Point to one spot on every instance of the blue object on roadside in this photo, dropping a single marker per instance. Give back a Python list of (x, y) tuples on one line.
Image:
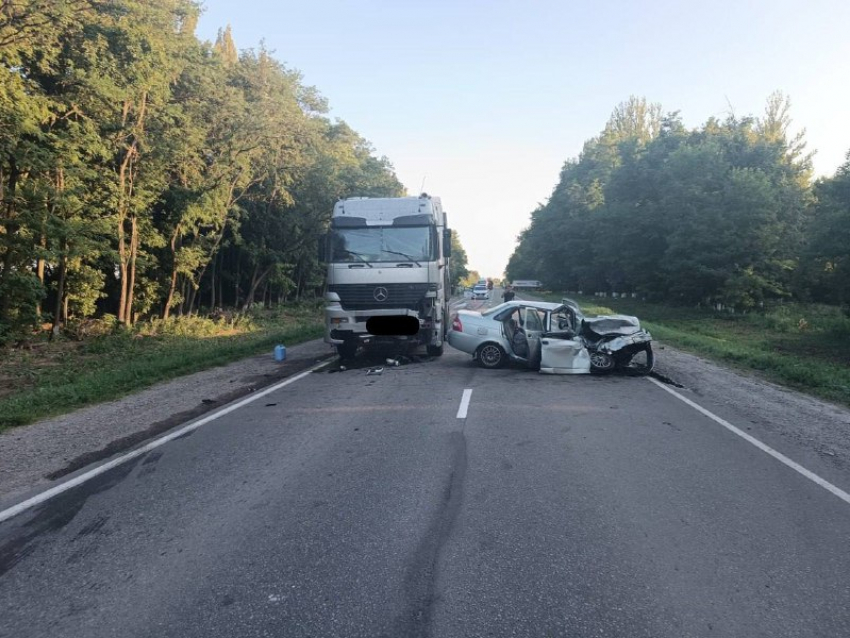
[(279, 353)]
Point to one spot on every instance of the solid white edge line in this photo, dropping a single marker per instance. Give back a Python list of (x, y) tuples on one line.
[(40, 498), (837, 491), (464, 403)]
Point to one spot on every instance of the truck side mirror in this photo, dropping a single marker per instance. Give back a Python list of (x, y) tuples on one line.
[(447, 242)]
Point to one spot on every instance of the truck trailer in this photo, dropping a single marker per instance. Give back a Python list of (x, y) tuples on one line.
[(387, 273)]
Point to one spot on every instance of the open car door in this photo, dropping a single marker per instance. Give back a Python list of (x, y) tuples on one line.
[(533, 326)]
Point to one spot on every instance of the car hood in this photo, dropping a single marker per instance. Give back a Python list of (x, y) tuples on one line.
[(613, 324)]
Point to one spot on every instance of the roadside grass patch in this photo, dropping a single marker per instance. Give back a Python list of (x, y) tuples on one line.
[(804, 346), (46, 379)]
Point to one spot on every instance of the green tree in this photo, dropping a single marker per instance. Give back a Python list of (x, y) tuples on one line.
[(827, 253), (703, 216), (141, 168), (458, 262)]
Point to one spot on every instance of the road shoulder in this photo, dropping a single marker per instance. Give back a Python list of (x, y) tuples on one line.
[(809, 429), (32, 456)]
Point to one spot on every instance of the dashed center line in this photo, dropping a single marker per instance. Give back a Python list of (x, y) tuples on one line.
[(464, 403)]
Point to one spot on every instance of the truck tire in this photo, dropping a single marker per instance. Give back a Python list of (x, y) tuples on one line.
[(348, 349), (434, 351)]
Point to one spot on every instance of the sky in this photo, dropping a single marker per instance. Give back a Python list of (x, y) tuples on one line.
[(481, 103)]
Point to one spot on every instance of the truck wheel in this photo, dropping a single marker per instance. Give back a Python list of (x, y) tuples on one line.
[(491, 355), (434, 351), (348, 349)]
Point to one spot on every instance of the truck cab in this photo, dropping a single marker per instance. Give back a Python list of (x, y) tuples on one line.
[(387, 261)]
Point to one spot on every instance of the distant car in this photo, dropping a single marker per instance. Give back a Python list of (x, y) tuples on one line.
[(480, 291)]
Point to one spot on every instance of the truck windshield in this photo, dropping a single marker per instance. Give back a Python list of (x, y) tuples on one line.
[(382, 243)]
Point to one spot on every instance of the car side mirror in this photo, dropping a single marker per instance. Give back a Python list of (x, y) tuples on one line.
[(447, 242), (322, 252)]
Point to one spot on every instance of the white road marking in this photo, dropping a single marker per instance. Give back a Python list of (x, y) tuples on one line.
[(844, 496), (38, 499), (464, 403)]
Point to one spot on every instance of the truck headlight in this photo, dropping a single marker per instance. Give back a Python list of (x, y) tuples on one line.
[(338, 320)]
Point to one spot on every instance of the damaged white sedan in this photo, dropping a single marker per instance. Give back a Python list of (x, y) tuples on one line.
[(554, 338)]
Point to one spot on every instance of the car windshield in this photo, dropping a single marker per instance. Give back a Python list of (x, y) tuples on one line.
[(381, 243)]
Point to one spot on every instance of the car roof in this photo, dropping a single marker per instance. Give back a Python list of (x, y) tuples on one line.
[(540, 305)]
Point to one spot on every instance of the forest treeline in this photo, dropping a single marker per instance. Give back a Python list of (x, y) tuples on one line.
[(144, 172), (726, 213)]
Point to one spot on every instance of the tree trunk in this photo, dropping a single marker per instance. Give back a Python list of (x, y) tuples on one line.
[(212, 283), (131, 281), (236, 281), (190, 307), (39, 271), (173, 285), (60, 294), (256, 279), (221, 284), (166, 311), (7, 201), (184, 292), (125, 195)]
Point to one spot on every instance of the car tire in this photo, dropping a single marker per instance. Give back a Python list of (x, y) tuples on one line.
[(601, 362), (434, 351), (491, 356)]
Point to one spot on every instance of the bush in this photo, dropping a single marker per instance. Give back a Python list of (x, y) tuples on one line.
[(86, 328), (194, 326), (21, 292)]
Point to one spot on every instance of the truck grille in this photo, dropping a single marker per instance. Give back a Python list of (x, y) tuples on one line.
[(366, 296)]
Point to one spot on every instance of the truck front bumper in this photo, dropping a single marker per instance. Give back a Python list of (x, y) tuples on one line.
[(351, 324)]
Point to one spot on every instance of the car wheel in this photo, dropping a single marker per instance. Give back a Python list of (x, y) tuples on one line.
[(491, 355), (601, 362)]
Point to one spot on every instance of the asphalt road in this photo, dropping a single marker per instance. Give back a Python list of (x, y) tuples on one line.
[(347, 504)]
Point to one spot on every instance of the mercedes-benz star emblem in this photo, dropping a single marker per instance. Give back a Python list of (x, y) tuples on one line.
[(381, 294)]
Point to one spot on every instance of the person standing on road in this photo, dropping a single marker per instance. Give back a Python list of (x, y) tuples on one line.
[(509, 293)]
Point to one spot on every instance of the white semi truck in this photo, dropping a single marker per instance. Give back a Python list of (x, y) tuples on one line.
[(388, 273)]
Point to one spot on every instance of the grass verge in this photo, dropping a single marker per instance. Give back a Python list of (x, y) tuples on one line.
[(46, 379), (804, 346)]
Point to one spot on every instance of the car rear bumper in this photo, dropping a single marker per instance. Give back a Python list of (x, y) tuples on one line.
[(463, 342)]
